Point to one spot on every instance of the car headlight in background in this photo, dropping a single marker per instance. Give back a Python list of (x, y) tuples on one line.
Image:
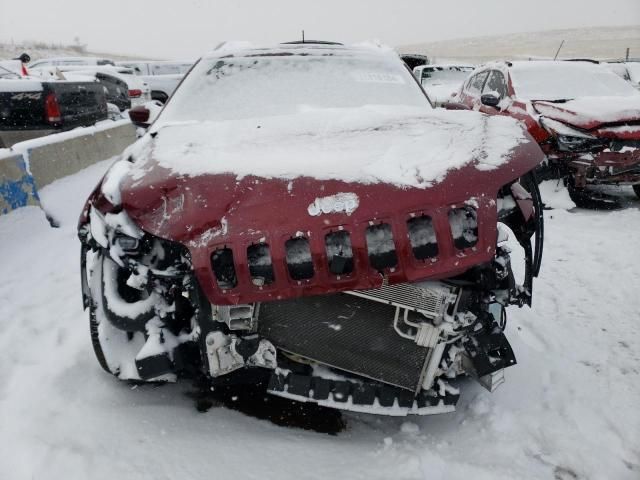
[(570, 139)]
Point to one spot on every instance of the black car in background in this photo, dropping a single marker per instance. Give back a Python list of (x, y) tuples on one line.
[(31, 108)]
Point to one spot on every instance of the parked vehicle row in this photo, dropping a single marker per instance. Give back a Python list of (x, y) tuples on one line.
[(31, 107), (126, 85), (162, 77), (122, 87)]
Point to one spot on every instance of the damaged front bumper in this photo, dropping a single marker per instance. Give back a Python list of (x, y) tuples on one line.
[(395, 349)]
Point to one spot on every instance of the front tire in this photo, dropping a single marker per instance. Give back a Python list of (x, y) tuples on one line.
[(636, 188), (114, 349)]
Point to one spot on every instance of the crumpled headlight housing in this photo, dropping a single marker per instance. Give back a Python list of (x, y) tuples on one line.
[(570, 139)]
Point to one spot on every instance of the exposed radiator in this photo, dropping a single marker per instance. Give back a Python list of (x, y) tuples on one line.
[(352, 332)]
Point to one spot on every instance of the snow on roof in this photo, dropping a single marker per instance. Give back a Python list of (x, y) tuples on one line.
[(71, 59), (247, 48), (20, 85), (403, 146)]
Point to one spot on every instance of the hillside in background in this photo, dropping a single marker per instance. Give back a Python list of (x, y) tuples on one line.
[(595, 42), (39, 50)]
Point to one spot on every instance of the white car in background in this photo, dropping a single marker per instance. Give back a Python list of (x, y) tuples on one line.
[(162, 76), (441, 81), (138, 91), (70, 61)]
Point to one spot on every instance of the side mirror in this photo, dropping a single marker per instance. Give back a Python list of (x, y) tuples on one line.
[(490, 100), (455, 106), (140, 116)]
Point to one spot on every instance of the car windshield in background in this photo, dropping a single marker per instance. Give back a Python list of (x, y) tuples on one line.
[(260, 86), (566, 81), (441, 75)]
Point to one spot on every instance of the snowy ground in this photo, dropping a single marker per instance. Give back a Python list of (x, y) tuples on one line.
[(569, 409)]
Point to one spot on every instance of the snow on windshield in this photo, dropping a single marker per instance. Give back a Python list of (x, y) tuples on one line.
[(566, 80), (286, 82)]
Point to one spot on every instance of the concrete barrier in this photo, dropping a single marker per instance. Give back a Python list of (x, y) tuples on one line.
[(30, 165), (17, 187), (58, 159)]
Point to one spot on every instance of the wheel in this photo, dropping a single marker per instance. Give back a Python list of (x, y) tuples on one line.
[(636, 188), (592, 200), (115, 349)]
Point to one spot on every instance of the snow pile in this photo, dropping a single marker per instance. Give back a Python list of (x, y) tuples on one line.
[(407, 147)]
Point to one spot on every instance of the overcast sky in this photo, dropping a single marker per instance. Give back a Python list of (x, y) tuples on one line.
[(187, 28)]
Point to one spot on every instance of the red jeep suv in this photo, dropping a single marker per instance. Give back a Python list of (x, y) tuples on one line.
[(300, 219), (585, 118)]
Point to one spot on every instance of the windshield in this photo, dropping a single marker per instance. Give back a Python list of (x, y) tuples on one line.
[(566, 81), (286, 83), (442, 75)]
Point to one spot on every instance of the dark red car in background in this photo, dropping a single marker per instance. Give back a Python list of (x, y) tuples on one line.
[(585, 118)]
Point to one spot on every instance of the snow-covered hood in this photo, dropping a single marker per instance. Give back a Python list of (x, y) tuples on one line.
[(407, 148), (189, 177), (592, 113), (235, 184)]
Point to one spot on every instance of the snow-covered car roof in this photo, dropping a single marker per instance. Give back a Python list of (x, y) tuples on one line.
[(20, 84), (71, 61), (241, 48), (88, 72)]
